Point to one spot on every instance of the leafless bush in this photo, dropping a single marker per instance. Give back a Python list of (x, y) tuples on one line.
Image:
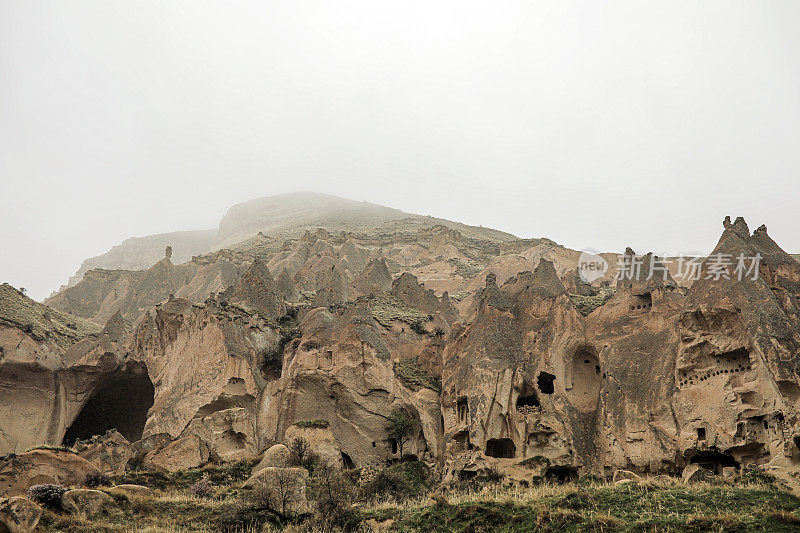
[(202, 487)]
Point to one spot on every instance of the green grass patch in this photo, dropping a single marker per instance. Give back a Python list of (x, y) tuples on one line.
[(386, 308), (316, 424), (587, 304), (628, 507), (466, 269), (226, 474), (414, 376)]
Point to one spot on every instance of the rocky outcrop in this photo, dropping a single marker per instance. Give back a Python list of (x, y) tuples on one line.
[(182, 454), (110, 452), (19, 515), (87, 502), (19, 472), (508, 374), (45, 387), (203, 359)]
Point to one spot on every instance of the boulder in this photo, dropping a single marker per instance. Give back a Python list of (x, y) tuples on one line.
[(20, 472), (625, 475), (110, 453), (694, 473), (146, 445), (285, 488), (276, 455), (130, 491), (88, 502), (187, 452), (19, 515)]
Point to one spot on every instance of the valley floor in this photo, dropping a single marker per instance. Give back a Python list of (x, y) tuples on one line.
[(658, 504)]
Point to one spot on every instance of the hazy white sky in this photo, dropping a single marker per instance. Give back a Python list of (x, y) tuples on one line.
[(597, 124)]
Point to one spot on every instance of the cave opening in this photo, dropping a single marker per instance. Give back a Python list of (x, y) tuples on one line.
[(462, 441), (561, 474), (347, 462), (714, 460), (501, 448), (527, 399), (642, 301), (545, 382), (121, 402), (462, 408)]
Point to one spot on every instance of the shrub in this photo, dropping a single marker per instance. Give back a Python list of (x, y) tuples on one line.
[(418, 328), (317, 424), (302, 455), (48, 495), (96, 479), (399, 428), (333, 493), (201, 488), (401, 481)]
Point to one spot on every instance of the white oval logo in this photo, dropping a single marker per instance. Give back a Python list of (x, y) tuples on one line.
[(591, 266)]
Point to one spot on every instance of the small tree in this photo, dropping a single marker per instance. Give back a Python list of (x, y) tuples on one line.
[(399, 428)]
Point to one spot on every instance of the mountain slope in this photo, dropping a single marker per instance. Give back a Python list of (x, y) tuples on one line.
[(280, 217)]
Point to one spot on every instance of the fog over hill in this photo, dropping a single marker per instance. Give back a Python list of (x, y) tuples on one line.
[(281, 217)]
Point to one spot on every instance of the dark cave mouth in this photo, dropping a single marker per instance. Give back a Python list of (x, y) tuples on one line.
[(121, 402)]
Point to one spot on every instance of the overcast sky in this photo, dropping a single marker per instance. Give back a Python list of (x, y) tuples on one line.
[(597, 124)]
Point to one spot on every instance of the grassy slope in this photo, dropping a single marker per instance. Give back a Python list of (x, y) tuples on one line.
[(665, 505), (42, 321), (650, 506)]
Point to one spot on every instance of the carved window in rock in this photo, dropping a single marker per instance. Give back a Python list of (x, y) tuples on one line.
[(347, 462), (527, 401), (545, 382), (501, 448), (585, 379), (642, 301), (326, 360), (462, 443), (462, 409)]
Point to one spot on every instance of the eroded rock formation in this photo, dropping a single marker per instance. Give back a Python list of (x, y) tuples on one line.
[(481, 345)]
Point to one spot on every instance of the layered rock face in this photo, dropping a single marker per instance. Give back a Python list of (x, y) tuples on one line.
[(324, 337)]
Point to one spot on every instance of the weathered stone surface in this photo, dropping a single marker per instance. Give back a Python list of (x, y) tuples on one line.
[(276, 455), (19, 515), (321, 441), (201, 359), (22, 471), (110, 453), (480, 342), (230, 433), (285, 488), (149, 444), (186, 452), (87, 501)]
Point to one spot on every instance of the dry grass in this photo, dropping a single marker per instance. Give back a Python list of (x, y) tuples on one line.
[(41, 321)]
